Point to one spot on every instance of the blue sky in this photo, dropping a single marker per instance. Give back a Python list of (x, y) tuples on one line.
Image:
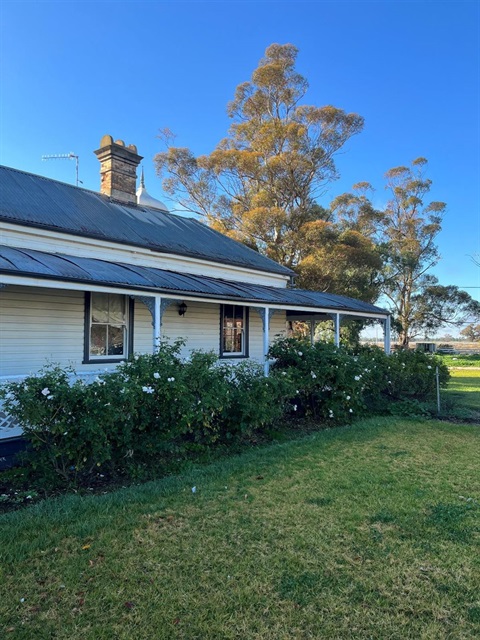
[(73, 71)]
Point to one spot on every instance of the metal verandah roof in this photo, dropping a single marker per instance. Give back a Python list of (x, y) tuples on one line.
[(37, 264)]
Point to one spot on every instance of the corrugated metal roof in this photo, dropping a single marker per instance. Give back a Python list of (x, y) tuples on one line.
[(27, 262), (36, 201)]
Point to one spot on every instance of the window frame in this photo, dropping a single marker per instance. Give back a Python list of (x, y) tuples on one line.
[(226, 355), (129, 311)]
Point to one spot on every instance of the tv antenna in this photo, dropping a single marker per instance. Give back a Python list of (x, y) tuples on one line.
[(66, 156)]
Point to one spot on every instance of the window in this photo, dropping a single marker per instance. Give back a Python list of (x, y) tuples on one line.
[(108, 327), (234, 331)]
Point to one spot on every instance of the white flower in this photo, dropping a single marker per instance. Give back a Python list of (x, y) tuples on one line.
[(429, 367), (294, 407), (122, 390), (147, 389), (46, 391), (300, 353), (284, 373), (156, 375), (357, 378), (350, 410), (50, 397), (314, 375), (194, 489), (170, 379), (348, 397)]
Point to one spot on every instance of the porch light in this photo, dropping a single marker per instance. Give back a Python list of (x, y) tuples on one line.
[(182, 309)]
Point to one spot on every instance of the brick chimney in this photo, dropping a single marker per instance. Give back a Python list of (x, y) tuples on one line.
[(118, 169)]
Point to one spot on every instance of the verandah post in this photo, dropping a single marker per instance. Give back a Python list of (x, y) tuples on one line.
[(266, 331), (386, 335), (336, 324), (157, 323)]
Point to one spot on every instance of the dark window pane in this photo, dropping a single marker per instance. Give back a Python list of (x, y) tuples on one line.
[(98, 340), (115, 341)]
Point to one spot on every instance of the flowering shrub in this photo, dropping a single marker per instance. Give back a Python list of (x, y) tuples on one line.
[(337, 384), (60, 420), (328, 382), (156, 405), (149, 407), (403, 376)]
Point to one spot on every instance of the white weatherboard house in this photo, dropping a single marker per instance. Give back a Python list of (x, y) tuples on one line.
[(87, 279)]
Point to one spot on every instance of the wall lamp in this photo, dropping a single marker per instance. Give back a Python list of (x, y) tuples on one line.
[(182, 309)]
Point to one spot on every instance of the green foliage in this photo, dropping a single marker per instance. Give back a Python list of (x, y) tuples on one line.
[(150, 408), (411, 374), (329, 382), (155, 407), (338, 384), (65, 423), (255, 401)]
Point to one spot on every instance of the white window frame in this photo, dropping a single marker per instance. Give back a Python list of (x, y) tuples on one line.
[(127, 329), (244, 333)]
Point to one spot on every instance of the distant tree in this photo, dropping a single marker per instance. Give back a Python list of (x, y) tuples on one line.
[(261, 182), (409, 230), (435, 305), (446, 337), (405, 232), (471, 332)]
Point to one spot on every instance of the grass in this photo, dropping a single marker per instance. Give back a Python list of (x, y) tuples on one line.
[(460, 360), (370, 531), (464, 388)]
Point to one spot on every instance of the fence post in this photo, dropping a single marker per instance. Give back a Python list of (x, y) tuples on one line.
[(437, 378)]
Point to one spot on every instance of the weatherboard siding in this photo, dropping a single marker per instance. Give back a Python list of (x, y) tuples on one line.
[(40, 325), (201, 328)]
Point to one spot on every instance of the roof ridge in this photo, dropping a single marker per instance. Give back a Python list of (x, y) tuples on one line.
[(37, 175)]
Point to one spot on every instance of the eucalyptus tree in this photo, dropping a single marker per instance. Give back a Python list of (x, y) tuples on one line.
[(261, 183)]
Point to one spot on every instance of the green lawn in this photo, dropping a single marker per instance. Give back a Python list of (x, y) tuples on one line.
[(472, 360), (369, 531), (464, 388)]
